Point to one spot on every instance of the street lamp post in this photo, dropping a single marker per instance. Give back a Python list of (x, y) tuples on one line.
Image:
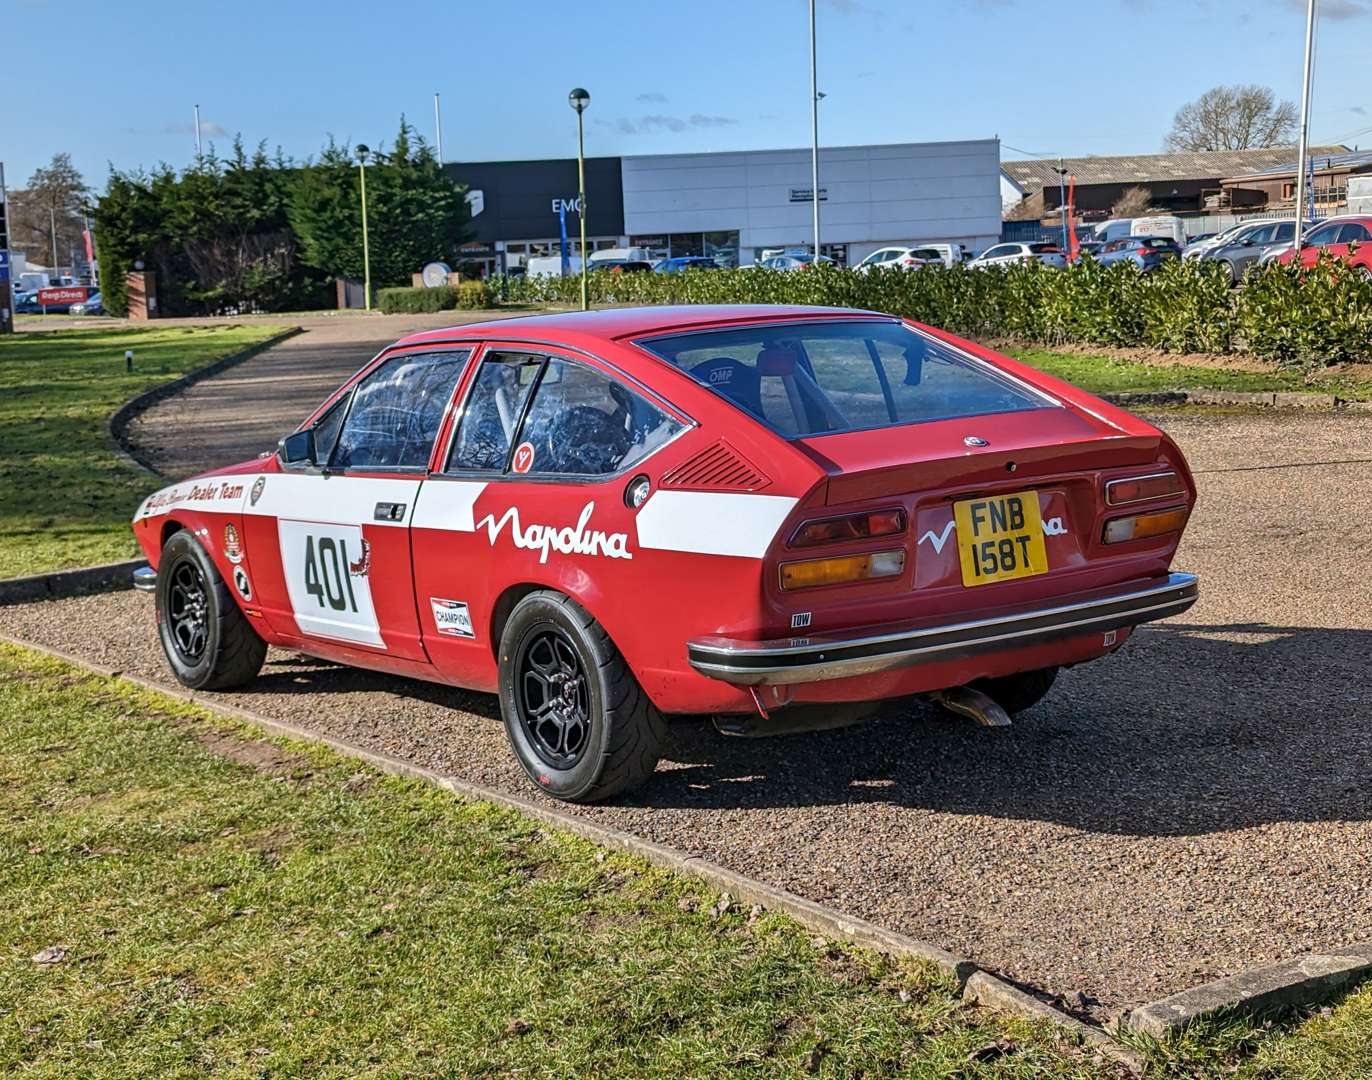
[(815, 95), (578, 99), (1301, 207), (363, 151)]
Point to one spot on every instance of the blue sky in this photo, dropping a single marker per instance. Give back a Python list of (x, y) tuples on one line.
[(664, 75)]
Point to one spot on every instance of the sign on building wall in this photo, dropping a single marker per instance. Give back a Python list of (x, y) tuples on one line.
[(802, 194)]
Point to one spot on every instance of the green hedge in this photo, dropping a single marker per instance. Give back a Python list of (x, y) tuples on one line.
[(466, 295), (1296, 317)]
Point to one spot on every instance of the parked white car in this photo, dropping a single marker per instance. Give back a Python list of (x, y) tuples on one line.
[(897, 258), (1009, 254)]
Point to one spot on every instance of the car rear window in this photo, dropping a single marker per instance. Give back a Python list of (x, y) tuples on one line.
[(1043, 249), (820, 378)]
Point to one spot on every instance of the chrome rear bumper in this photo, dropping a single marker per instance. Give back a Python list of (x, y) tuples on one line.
[(145, 579), (883, 648)]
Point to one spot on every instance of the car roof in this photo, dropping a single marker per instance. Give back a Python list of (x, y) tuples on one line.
[(609, 324)]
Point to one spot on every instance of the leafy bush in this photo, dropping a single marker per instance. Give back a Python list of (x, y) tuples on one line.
[(1306, 317), (477, 294), (1319, 316), (410, 301)]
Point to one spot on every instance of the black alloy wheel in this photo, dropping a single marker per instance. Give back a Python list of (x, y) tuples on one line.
[(188, 611), (554, 699)]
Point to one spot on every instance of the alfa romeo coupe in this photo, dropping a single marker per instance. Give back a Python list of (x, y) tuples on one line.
[(740, 512)]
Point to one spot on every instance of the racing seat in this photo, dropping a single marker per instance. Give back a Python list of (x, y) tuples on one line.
[(735, 380)]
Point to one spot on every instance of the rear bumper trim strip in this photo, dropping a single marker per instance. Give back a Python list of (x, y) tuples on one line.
[(872, 649)]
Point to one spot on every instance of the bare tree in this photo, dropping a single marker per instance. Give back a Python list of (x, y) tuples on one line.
[(55, 194), (1133, 202), (1240, 117)]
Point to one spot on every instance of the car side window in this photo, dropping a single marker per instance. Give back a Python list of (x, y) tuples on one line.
[(1353, 233), (584, 423), (1323, 236), (326, 429), (997, 251), (396, 412), (494, 405)]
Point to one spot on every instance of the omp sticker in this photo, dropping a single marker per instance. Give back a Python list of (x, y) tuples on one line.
[(570, 540), (451, 617), (326, 577)]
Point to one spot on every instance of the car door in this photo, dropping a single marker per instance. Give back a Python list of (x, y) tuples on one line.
[(531, 492), (1246, 252), (339, 524), (1353, 240)]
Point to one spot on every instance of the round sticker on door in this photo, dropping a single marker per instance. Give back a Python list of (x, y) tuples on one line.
[(523, 457)]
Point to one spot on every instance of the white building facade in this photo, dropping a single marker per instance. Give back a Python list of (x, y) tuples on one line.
[(745, 203)]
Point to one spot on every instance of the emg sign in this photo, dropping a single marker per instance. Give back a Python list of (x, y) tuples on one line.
[(571, 206)]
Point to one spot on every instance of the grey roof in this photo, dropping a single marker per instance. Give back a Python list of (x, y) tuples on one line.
[(1033, 175), (1321, 160)]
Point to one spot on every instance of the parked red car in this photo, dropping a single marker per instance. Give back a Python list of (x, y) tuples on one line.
[(729, 511), (1347, 238)]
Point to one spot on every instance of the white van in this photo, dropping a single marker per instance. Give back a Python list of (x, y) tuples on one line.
[(1162, 225), (551, 266)]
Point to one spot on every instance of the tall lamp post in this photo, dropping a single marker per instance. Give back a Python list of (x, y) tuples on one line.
[(578, 99), (363, 151), (815, 95), (1301, 208)]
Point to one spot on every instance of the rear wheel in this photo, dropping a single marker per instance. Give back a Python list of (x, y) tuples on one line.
[(1233, 272), (578, 722), (210, 644), (1023, 690)]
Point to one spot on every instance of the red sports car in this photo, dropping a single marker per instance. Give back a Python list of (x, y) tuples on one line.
[(726, 511), (1346, 238)]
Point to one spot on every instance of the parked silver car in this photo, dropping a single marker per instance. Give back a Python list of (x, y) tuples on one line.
[(1246, 246)]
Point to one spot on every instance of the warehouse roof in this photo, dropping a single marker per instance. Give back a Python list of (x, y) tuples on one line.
[(1035, 174)]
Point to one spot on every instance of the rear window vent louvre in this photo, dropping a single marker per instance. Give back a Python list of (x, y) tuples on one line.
[(718, 468)]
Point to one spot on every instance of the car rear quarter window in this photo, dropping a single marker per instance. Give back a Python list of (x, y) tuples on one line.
[(396, 411), (494, 406), (823, 378)]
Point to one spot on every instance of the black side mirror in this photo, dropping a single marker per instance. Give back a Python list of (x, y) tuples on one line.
[(298, 448)]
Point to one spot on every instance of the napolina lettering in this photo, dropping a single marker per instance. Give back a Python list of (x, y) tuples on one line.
[(572, 540)]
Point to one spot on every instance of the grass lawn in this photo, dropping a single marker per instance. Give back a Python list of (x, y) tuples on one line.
[(65, 498), (1107, 375), (237, 907)]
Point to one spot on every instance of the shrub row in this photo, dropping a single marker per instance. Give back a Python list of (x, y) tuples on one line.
[(1296, 317), (466, 295)]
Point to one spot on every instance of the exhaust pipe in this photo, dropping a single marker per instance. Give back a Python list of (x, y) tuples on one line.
[(965, 701)]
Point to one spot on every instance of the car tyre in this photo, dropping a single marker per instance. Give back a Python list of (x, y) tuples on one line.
[(1233, 272), (1018, 692), (580, 725), (208, 641)]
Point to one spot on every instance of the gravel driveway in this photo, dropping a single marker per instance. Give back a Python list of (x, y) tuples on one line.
[(1192, 806)]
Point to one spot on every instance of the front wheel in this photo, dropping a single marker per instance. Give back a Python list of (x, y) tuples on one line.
[(578, 722), (210, 644), (1023, 690)]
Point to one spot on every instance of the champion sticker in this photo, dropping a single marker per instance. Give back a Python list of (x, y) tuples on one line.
[(258, 485), (523, 457), (451, 617), (241, 583), (233, 546)]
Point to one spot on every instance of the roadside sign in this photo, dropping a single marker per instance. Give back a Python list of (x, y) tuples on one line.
[(67, 294), (4, 259)]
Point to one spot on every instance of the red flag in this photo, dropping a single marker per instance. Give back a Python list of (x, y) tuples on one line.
[(1073, 248), (90, 248)]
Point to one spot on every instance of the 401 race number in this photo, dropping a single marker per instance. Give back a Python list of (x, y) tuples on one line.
[(328, 579)]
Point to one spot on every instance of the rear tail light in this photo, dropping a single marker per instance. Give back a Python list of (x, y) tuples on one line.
[(845, 569), (865, 526), (1141, 488), (1142, 526)]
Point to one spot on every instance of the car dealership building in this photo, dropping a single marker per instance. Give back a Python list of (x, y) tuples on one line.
[(735, 205)]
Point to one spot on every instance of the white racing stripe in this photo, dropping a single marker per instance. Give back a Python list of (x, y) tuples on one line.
[(448, 505), (217, 494), (711, 523), (347, 500)]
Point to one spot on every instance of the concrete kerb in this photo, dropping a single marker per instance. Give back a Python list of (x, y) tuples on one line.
[(125, 415), (110, 577), (1264, 399), (976, 986), (1274, 988)]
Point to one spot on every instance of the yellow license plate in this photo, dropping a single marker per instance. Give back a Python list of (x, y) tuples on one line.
[(1000, 538)]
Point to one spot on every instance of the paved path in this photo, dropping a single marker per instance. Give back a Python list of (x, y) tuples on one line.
[(1197, 804), (245, 411)]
